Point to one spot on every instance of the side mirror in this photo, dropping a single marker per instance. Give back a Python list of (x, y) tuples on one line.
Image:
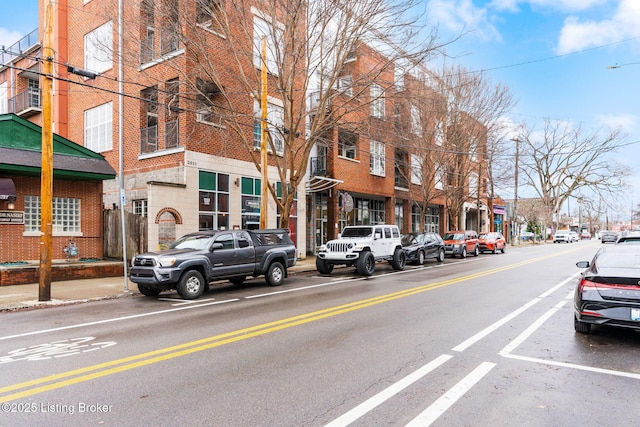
[(582, 264), (216, 246)]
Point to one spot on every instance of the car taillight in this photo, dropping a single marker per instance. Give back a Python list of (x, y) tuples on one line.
[(586, 285)]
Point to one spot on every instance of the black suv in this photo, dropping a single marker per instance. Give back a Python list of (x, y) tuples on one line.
[(421, 246)]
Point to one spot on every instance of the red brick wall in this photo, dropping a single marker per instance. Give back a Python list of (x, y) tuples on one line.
[(14, 246)]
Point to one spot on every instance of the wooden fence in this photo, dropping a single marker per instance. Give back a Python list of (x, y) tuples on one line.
[(136, 231)]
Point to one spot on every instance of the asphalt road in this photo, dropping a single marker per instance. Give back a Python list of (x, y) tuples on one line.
[(481, 341)]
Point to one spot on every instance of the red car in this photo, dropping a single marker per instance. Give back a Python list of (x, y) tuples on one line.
[(492, 242)]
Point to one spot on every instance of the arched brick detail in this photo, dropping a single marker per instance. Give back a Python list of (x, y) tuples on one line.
[(172, 211)]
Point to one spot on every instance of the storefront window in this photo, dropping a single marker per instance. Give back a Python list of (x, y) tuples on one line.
[(251, 190), (213, 203)]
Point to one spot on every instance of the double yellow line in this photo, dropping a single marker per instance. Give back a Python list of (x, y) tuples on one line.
[(76, 376)]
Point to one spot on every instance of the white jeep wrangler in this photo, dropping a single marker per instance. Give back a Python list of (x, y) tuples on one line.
[(363, 246)]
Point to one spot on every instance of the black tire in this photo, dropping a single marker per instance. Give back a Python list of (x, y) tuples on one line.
[(399, 260), (275, 274), (476, 251), (191, 285), (504, 248), (366, 264), (239, 280), (323, 266), (440, 257), (495, 249), (420, 259), (463, 254), (148, 290), (581, 327)]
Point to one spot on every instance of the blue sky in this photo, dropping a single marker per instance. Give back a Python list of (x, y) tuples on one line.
[(552, 54)]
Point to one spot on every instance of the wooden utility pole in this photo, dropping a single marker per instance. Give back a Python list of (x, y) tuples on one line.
[(46, 171), (264, 193)]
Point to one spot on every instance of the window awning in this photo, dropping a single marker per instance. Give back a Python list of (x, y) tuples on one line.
[(7, 189), (321, 183)]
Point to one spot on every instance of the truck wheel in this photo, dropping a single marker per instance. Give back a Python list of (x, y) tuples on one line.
[(191, 285), (148, 290), (366, 264), (239, 280), (275, 274), (323, 266), (399, 259)]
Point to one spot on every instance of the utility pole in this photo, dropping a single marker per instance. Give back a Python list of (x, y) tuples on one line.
[(516, 236), (264, 199), (46, 171)]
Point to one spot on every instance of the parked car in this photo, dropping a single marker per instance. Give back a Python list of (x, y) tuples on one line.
[(461, 243), (608, 236), (631, 237), (608, 292), (362, 246), (527, 236), (562, 236), (422, 246), (585, 234), (492, 242), (573, 235)]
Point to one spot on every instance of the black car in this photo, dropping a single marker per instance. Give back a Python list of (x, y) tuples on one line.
[(421, 246), (608, 292)]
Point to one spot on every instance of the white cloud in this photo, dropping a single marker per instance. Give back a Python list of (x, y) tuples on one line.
[(577, 35), (8, 37), (461, 16), (625, 122)]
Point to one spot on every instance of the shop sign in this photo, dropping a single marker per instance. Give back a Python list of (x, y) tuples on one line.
[(11, 217)]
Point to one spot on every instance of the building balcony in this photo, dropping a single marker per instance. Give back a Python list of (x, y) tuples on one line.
[(27, 103)]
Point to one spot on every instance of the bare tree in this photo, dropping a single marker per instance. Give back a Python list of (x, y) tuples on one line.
[(564, 160), (308, 45)]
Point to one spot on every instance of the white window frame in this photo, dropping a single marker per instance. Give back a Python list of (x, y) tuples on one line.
[(416, 169), (264, 27), (4, 97), (345, 85), (438, 136), (473, 184), (377, 158), (416, 123), (98, 128), (377, 101), (473, 149), (98, 48), (275, 124)]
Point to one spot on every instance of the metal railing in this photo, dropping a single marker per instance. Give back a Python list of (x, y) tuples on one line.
[(171, 139), (28, 99), (149, 140), (18, 48)]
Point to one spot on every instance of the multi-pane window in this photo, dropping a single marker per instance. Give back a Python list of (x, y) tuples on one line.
[(98, 128), (416, 218), (473, 148), (347, 144), (98, 49), (208, 13), (345, 85), (149, 130), (148, 31), (377, 158), (473, 184), (399, 215), (140, 207), (206, 97), (377, 101), (66, 214), (432, 220), (416, 124), (416, 169), (438, 136), (213, 203), (273, 35), (439, 177), (251, 191), (172, 101), (275, 125)]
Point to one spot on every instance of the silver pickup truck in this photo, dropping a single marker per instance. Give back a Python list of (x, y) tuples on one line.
[(196, 259)]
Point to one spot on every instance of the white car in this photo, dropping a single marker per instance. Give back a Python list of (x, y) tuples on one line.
[(574, 236), (562, 236)]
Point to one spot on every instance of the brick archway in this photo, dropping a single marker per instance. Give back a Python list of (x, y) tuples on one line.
[(172, 211)]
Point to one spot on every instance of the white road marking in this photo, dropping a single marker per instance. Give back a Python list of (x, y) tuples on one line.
[(387, 393), (573, 366), (491, 328), (445, 401), (531, 329), (115, 319)]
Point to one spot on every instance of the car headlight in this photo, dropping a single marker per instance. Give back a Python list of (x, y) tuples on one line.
[(166, 261)]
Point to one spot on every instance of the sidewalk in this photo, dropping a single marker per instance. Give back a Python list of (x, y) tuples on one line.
[(25, 297)]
